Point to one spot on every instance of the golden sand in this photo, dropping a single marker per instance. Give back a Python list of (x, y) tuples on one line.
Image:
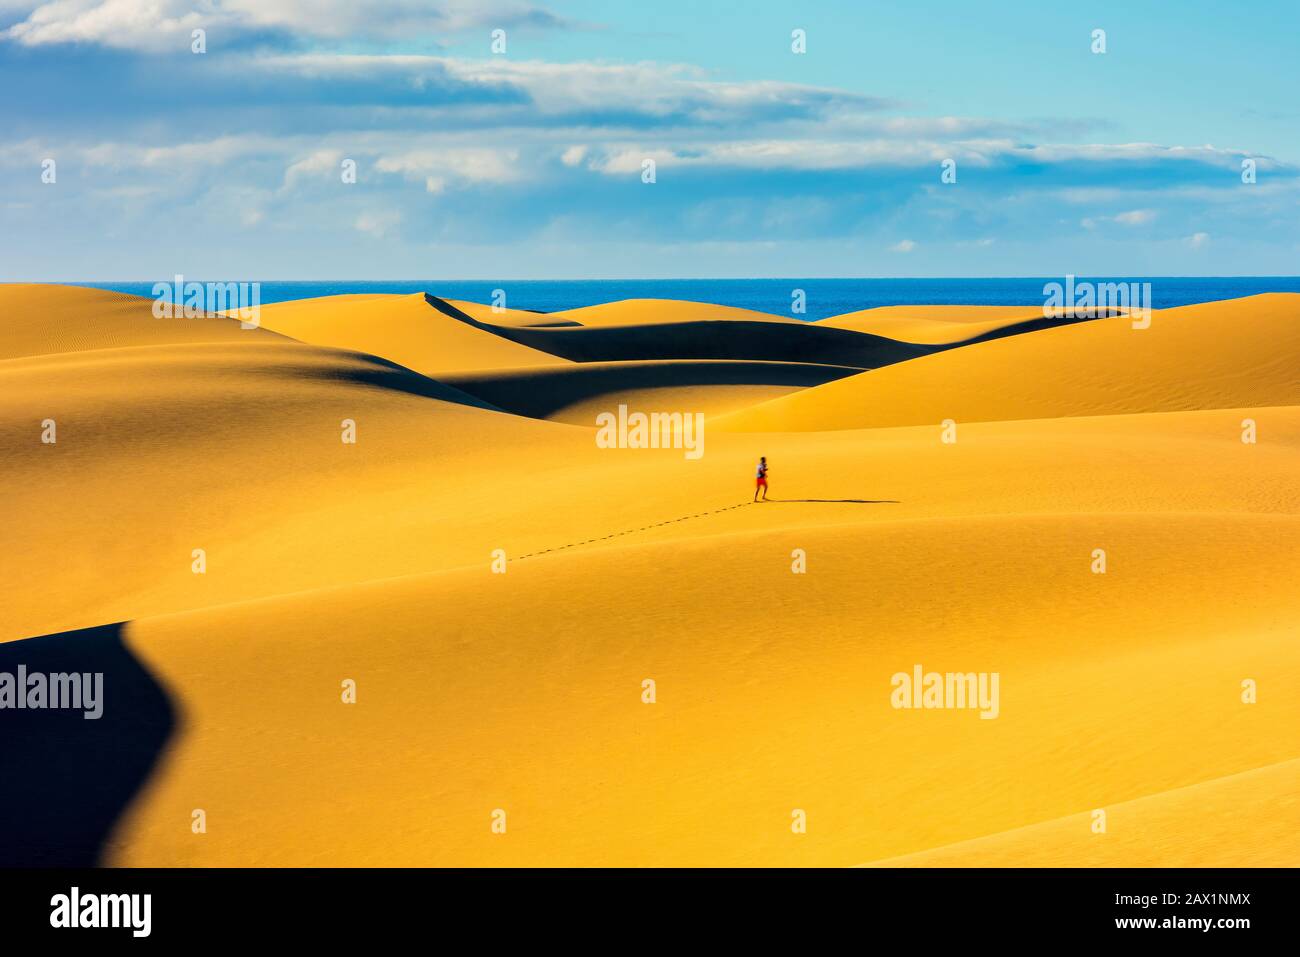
[(523, 691), (933, 324)]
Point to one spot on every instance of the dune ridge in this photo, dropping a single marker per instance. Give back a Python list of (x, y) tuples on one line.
[(710, 338), (1232, 354), (42, 320)]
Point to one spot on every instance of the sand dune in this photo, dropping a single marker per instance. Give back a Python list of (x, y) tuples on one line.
[(682, 338), (234, 449), (946, 325), (401, 328), (642, 312), (37, 320), (1215, 355), (625, 312), (503, 316), (522, 691), (936, 324)]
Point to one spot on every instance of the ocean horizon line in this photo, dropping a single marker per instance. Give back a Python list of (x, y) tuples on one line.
[(808, 299), (407, 279)]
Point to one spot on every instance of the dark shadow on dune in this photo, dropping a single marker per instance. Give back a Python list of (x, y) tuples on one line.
[(541, 392), (1028, 325), (65, 780), (704, 339), (380, 373), (834, 501), (737, 339)]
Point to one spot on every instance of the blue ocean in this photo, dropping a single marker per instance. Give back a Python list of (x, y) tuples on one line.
[(824, 297)]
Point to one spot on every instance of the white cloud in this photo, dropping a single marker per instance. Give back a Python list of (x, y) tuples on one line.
[(1198, 240), (800, 153), (793, 154), (165, 25), (160, 24), (377, 224), (1136, 217), (435, 167), (314, 167), (1125, 152), (534, 90), (903, 246)]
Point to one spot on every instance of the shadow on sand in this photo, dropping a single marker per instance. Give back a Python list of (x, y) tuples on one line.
[(833, 501), (65, 780)]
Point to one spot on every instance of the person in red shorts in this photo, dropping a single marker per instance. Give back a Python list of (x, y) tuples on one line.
[(761, 481)]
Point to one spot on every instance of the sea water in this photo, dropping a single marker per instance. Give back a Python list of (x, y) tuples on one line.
[(822, 297)]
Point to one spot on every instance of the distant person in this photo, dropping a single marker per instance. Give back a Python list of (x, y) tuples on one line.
[(760, 483)]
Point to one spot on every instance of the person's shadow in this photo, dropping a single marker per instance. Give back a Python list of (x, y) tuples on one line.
[(65, 780), (835, 501)]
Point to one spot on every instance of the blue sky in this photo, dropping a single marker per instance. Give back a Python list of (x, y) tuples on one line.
[(528, 164)]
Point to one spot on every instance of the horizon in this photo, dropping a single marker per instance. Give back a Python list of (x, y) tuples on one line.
[(810, 299), (615, 279)]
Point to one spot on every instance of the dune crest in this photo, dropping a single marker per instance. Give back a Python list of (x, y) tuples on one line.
[(1210, 356), (42, 320)]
